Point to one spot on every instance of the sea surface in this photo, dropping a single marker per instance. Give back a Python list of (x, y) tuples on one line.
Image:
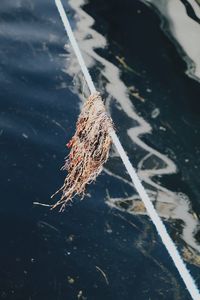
[(144, 58)]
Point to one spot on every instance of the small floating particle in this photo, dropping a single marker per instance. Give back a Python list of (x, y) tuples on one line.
[(155, 113), (162, 128), (80, 296), (103, 274), (134, 92), (25, 135), (70, 280), (70, 238)]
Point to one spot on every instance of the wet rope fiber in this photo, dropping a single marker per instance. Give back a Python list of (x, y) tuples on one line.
[(89, 146), (99, 112)]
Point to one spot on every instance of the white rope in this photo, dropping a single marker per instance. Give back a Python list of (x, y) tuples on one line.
[(160, 227), (75, 47)]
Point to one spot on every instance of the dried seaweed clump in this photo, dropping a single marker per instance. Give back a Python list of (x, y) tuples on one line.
[(89, 149)]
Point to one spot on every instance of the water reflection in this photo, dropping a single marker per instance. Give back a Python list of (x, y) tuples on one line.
[(169, 204), (184, 29)]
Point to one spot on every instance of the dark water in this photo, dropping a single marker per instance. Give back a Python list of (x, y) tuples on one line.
[(96, 249)]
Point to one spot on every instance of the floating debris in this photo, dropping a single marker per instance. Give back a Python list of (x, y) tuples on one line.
[(104, 274), (191, 256), (135, 93), (155, 113), (80, 296), (121, 60), (70, 280)]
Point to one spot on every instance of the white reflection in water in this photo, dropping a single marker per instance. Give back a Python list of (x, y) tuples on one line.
[(184, 30), (170, 205)]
